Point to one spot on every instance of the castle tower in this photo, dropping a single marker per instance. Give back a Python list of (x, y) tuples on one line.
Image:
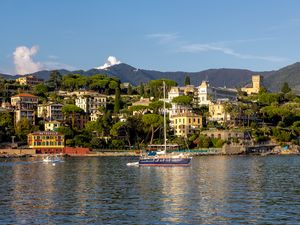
[(257, 82)]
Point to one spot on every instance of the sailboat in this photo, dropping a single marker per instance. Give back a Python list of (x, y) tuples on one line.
[(162, 158)]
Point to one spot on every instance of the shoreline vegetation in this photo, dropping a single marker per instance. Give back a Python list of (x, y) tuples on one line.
[(125, 116), (277, 150)]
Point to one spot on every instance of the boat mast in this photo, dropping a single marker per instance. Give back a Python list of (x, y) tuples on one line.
[(165, 123)]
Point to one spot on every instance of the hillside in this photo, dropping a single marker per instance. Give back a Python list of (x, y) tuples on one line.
[(290, 74), (273, 80)]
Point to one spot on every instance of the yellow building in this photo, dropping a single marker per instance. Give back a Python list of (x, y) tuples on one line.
[(46, 142), (187, 123), (29, 80), (217, 112), (256, 85)]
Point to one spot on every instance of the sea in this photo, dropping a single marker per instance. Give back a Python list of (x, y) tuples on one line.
[(103, 190)]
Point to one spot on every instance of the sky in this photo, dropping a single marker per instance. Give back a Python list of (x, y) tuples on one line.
[(164, 35)]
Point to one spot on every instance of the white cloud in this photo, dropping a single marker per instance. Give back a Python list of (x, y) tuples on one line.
[(164, 37), (227, 51), (23, 60), (183, 46), (24, 63), (111, 60)]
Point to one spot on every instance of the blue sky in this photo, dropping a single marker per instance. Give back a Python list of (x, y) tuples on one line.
[(166, 35)]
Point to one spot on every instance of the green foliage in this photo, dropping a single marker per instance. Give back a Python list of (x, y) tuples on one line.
[(204, 142), (117, 144), (115, 130), (82, 140), (138, 108), (23, 128), (269, 98), (281, 135), (183, 100), (40, 90), (142, 90), (68, 109), (117, 104), (6, 126), (55, 80), (187, 80), (208, 142), (285, 88), (74, 81), (153, 122), (157, 106), (67, 131), (129, 90)]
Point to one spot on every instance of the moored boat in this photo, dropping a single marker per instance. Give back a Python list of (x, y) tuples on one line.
[(162, 158), (165, 161)]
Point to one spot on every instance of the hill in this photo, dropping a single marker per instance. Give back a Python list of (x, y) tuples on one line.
[(273, 80)]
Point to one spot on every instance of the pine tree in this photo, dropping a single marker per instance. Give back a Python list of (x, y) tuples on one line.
[(129, 90), (187, 80), (285, 88), (142, 89), (117, 100)]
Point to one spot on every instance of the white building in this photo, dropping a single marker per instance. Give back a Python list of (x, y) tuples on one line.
[(51, 111), (180, 91), (25, 106), (52, 125), (91, 104), (207, 94), (217, 112)]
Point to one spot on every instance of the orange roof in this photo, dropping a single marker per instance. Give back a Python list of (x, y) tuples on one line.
[(25, 95)]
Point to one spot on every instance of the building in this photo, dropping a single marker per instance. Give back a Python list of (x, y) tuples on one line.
[(51, 111), (178, 109), (25, 106), (181, 91), (91, 104), (29, 80), (226, 134), (76, 120), (257, 83), (186, 124), (46, 142), (52, 125), (207, 94), (217, 112)]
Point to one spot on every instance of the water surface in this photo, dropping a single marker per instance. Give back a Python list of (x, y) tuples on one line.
[(103, 190)]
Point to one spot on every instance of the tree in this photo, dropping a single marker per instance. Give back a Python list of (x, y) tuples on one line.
[(154, 122), (55, 80), (285, 88), (23, 128), (6, 125), (158, 106), (187, 80), (40, 90), (129, 90), (183, 100), (140, 109), (117, 100), (142, 89), (72, 110)]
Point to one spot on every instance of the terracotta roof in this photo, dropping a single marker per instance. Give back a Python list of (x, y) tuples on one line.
[(24, 95)]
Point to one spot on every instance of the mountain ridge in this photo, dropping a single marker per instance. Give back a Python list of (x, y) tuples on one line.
[(229, 77)]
